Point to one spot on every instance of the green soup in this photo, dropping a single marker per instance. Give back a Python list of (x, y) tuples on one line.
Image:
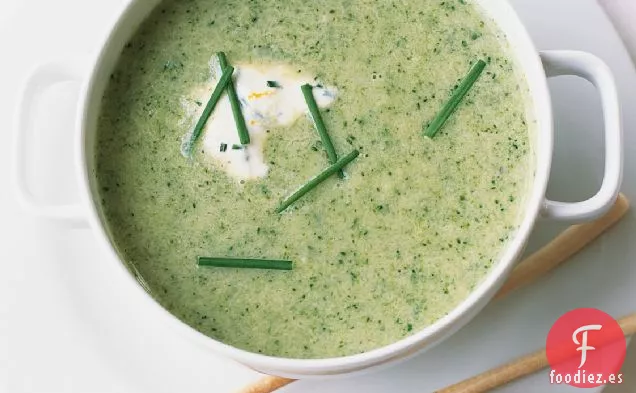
[(413, 227)]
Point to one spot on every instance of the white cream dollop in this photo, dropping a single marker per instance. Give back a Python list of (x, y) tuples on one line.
[(264, 108)]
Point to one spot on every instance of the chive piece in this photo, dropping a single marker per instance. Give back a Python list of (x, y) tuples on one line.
[(243, 263), (320, 125), (273, 84), (223, 147), (209, 108), (244, 135), (237, 147), (455, 99), (311, 184)]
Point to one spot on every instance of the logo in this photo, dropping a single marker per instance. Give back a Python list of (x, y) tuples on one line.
[(586, 348)]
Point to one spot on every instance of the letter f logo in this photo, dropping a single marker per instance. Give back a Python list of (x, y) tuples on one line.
[(583, 344)]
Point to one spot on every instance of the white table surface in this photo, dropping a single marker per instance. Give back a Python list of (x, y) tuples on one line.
[(64, 328)]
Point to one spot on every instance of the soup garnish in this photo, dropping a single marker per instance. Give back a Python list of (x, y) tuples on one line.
[(458, 95), (313, 183), (245, 263), (244, 135), (314, 112), (209, 108)]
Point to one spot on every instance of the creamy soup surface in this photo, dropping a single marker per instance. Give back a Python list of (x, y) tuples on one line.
[(412, 229)]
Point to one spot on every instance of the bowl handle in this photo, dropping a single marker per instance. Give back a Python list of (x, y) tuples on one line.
[(590, 67), (42, 77)]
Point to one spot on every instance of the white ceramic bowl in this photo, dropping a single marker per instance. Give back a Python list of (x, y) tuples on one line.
[(537, 68)]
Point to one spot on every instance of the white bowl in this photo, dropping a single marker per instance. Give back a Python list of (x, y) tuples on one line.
[(536, 69)]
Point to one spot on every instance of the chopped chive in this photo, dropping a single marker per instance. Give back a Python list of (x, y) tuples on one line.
[(209, 108), (320, 125), (311, 184), (244, 135), (223, 147), (237, 147), (455, 99), (273, 84), (243, 263)]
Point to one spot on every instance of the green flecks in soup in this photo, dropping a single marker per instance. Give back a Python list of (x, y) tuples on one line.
[(414, 226)]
